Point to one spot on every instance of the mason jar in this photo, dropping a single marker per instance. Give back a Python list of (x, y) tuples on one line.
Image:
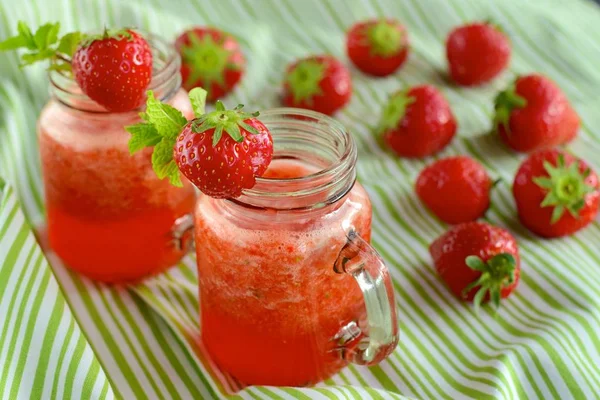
[(290, 289), (108, 216)]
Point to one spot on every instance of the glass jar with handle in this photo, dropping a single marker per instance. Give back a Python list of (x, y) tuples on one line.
[(290, 289), (108, 215)]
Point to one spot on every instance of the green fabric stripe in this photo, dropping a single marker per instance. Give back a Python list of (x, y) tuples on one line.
[(181, 372), (90, 380), (30, 324), (109, 341), (73, 365), (129, 343), (61, 357), (48, 343)]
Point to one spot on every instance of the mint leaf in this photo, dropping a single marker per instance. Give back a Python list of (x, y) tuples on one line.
[(173, 174), (167, 120), (13, 43), (43, 45), (142, 135), (68, 43), (46, 35), (26, 34), (198, 99), (29, 59), (163, 163)]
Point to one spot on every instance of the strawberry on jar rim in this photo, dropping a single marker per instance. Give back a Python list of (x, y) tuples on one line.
[(377, 47), (477, 53), (556, 193), (417, 122), (478, 262), (320, 83), (223, 152), (220, 152), (455, 189), (113, 68), (211, 59), (534, 114)]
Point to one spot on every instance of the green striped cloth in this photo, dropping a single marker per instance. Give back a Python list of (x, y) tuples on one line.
[(86, 340)]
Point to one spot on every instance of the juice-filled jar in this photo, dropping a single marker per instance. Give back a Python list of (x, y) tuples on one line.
[(108, 215), (290, 289)]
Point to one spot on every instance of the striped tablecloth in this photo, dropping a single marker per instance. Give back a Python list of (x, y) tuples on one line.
[(63, 337)]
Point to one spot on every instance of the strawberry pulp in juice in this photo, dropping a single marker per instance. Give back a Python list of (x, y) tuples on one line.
[(271, 303), (108, 215)]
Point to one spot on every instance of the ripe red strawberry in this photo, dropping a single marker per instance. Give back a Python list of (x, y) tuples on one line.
[(319, 83), (211, 59), (477, 261), (556, 193), (417, 122), (534, 114), (223, 152), (456, 189), (114, 69), (477, 53), (377, 47)]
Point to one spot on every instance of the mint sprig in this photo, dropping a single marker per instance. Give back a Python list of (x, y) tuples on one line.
[(44, 44), (161, 127)]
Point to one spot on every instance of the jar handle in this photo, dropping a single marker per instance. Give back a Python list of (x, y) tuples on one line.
[(182, 232), (367, 342)]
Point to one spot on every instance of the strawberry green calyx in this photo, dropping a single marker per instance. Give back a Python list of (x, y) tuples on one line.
[(384, 39), (566, 188), (504, 104), (494, 25), (44, 44), (207, 60), (304, 80), (224, 120), (496, 273), (160, 128), (118, 34), (394, 111)]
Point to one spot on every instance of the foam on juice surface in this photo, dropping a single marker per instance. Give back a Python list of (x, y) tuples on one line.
[(95, 131)]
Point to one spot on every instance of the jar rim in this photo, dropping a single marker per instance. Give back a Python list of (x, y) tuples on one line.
[(166, 78), (327, 185)]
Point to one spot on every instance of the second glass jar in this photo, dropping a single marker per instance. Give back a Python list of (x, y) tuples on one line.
[(108, 215), (290, 289)]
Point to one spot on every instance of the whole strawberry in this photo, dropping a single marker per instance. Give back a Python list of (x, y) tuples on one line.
[(477, 53), (114, 69), (417, 122), (211, 59), (478, 262), (456, 189), (556, 194), (534, 114), (377, 47), (223, 152), (319, 83)]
